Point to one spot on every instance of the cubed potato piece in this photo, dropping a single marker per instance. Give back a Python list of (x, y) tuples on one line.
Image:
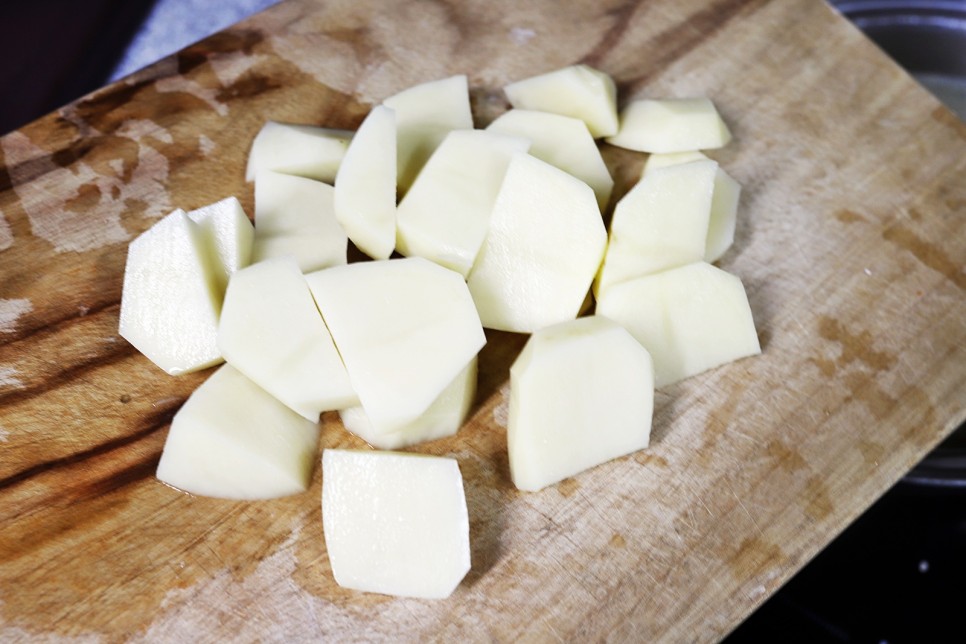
[(671, 125), (724, 216), (404, 327), (563, 142), (691, 318), (365, 187), (230, 235), (446, 214), (233, 440), (272, 332), (302, 150), (581, 394), (443, 418), (724, 202), (295, 217), (545, 243), (170, 302), (661, 223), (655, 161), (395, 523), (578, 91), (425, 114)]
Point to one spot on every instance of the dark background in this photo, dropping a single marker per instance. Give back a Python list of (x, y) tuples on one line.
[(54, 51)]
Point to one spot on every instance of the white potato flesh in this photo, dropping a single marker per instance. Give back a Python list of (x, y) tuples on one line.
[(295, 217), (671, 125), (443, 418), (581, 394), (656, 161), (272, 332), (691, 318), (544, 246), (724, 202), (563, 142), (724, 216), (365, 187), (578, 91), (661, 223), (230, 235), (170, 301), (446, 214), (302, 150), (395, 523), (404, 327), (233, 440), (425, 114)]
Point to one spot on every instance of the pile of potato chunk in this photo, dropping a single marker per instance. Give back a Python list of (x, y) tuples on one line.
[(467, 229)]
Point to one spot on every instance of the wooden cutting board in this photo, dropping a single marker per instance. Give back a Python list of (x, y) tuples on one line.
[(851, 244)]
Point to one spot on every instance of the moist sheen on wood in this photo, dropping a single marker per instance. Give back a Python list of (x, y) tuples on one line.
[(850, 243)]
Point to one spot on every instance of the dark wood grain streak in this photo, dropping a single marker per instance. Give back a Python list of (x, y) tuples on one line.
[(111, 98), (6, 183), (120, 478), (61, 322), (117, 352), (155, 422), (681, 37), (621, 18)]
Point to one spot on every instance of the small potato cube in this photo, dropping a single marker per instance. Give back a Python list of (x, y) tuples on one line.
[(581, 394), (394, 523)]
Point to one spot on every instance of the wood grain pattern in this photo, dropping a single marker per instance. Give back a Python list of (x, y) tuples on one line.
[(851, 244)]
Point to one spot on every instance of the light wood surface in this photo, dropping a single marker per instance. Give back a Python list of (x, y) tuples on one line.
[(851, 244)]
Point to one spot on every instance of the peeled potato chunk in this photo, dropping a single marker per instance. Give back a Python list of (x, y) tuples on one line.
[(425, 114), (724, 202), (302, 150), (230, 236), (581, 394), (365, 187), (545, 242), (661, 223), (295, 217), (443, 418), (404, 327), (171, 301), (578, 91), (233, 440), (272, 332), (671, 125), (563, 142), (724, 216), (446, 214), (655, 161), (690, 319), (395, 523)]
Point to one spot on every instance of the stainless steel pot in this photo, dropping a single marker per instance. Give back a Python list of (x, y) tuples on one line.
[(928, 38)]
